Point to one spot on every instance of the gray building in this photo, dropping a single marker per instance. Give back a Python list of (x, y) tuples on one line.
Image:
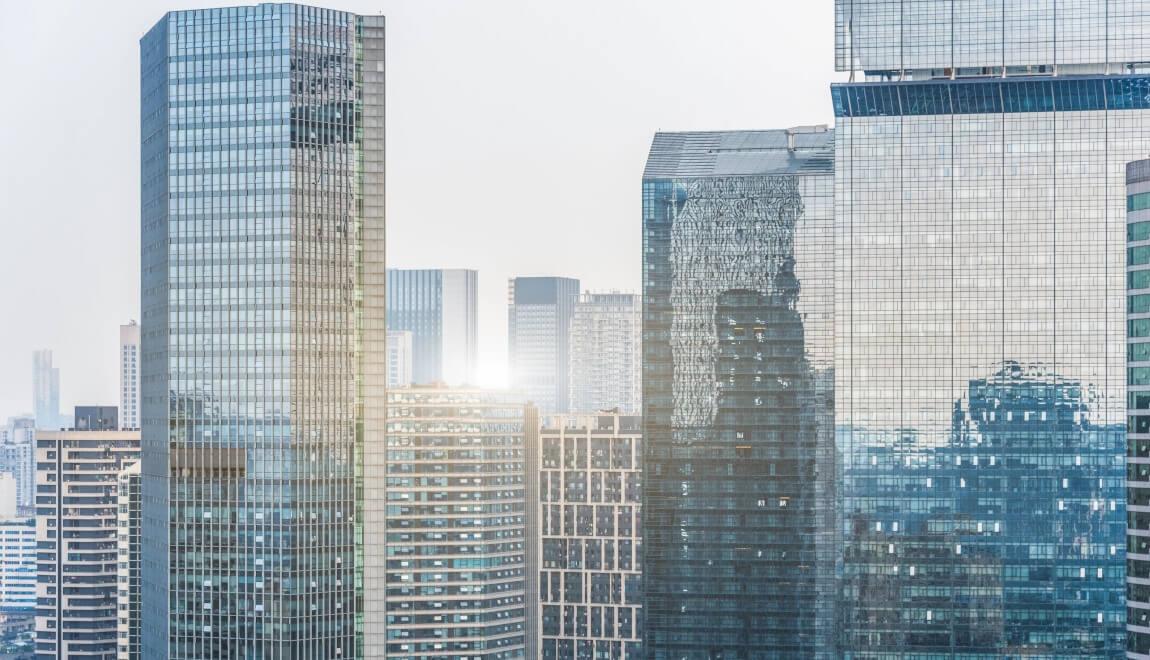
[(457, 583), (46, 391), (605, 361), (130, 376), (980, 380), (738, 527), (588, 473), (263, 337), (76, 536), (440, 307), (539, 313), (96, 418), (18, 457)]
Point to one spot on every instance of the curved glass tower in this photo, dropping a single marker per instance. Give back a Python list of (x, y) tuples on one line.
[(263, 333)]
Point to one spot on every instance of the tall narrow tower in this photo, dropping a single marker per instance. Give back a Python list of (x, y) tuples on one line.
[(263, 336)]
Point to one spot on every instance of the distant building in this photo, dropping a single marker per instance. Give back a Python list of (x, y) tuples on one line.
[(440, 309), (128, 564), (399, 371), (18, 564), (605, 363), (46, 391), (539, 316), (587, 473), (17, 457), (96, 418), (130, 376), (8, 499), (456, 524), (76, 535)]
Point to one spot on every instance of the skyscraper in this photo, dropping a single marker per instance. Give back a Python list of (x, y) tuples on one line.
[(128, 563), (45, 391), (1138, 407), (737, 394), (604, 366), (456, 484), (399, 355), (441, 310), (589, 472), (263, 335), (980, 229), (130, 376), (539, 313), (76, 504)]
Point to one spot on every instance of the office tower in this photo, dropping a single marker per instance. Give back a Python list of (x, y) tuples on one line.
[(588, 472), (539, 312), (18, 564), (18, 457), (980, 159), (45, 391), (263, 338), (76, 507), (440, 309), (96, 418), (399, 355), (605, 361), (737, 394), (128, 563), (130, 376), (455, 530), (1138, 409)]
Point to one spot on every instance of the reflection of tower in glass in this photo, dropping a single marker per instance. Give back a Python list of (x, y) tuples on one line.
[(1008, 538)]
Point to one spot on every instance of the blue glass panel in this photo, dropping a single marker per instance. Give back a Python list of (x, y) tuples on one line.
[(977, 98), (926, 99)]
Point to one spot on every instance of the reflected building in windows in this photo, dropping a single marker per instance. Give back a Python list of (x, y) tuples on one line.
[(738, 530), (263, 336), (980, 230)]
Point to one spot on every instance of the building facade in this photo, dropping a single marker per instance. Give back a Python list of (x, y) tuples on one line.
[(605, 364), (539, 313), (263, 339), (96, 418), (399, 356), (1138, 409), (128, 563), (130, 376), (589, 473), (456, 524), (18, 458), (738, 527), (76, 504), (18, 564), (440, 307), (45, 391), (980, 230)]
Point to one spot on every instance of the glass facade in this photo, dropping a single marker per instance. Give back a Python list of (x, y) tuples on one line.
[(738, 531), (539, 314), (1138, 412), (262, 332), (605, 361), (456, 524), (980, 377), (440, 309)]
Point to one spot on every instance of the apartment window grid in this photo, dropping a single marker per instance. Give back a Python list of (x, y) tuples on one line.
[(18, 564), (590, 545), (604, 363)]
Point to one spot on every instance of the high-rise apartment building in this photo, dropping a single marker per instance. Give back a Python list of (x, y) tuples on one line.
[(539, 313), (588, 473), (76, 573), (399, 357), (980, 377), (46, 391), (738, 527), (440, 307), (263, 338), (604, 366), (1138, 409), (130, 376), (128, 563), (18, 564), (18, 457), (457, 583)]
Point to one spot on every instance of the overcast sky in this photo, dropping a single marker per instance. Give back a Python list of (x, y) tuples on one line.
[(517, 132)]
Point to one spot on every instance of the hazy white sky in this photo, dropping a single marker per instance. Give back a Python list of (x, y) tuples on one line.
[(517, 132)]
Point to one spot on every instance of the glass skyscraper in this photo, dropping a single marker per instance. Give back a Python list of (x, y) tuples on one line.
[(539, 315), (263, 333), (440, 307), (1138, 404), (980, 380), (738, 528)]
